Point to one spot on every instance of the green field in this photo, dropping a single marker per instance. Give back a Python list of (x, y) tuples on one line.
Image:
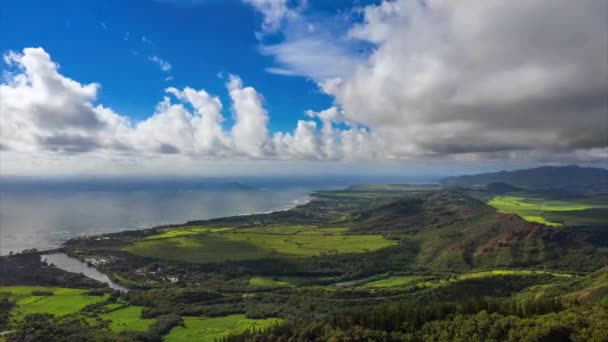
[(209, 329), (202, 245), (492, 273), (268, 282), (126, 319), (536, 209), (394, 281), (63, 301), (424, 281), (194, 230)]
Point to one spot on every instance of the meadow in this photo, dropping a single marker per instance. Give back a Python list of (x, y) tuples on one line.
[(211, 329), (61, 301), (126, 318), (429, 281), (394, 281), (546, 211), (268, 282), (56, 300), (204, 245)]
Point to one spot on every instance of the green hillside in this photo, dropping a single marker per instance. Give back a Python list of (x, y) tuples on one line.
[(415, 263)]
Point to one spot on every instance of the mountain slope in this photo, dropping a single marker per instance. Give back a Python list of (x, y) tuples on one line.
[(571, 178), (457, 232)]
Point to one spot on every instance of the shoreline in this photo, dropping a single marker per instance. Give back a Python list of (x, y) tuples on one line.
[(303, 200)]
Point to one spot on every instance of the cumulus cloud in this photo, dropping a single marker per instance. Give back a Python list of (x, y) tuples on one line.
[(250, 132), (45, 111), (42, 108), (471, 80), (480, 79)]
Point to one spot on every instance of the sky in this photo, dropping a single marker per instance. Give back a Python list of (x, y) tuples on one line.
[(211, 87)]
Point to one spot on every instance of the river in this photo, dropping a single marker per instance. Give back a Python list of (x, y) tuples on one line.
[(67, 263)]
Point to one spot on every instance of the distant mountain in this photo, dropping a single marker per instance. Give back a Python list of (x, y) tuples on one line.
[(571, 178), (501, 188)]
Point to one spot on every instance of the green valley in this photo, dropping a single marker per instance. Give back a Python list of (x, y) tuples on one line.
[(374, 262), (201, 245)]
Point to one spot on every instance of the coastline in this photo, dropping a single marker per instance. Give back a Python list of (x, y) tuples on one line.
[(51, 245), (72, 264)]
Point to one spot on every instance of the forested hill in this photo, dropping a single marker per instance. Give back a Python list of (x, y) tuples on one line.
[(571, 178)]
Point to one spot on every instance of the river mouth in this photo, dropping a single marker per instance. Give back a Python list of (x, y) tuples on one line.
[(73, 265)]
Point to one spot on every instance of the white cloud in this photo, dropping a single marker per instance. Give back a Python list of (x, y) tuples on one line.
[(304, 50), (250, 132), (471, 81), (273, 11), (45, 112), (41, 108), (466, 79), (163, 64), (313, 57)]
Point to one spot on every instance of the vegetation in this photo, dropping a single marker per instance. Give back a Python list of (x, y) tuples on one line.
[(536, 209), (395, 281), (29, 269), (205, 329), (388, 263), (61, 301), (201, 245), (268, 282), (127, 319)]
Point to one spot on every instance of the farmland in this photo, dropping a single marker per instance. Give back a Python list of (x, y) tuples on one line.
[(53, 300), (268, 282), (335, 260), (127, 318), (394, 281), (210, 329), (202, 245), (541, 210), (432, 281)]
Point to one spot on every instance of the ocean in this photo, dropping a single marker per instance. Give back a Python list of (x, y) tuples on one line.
[(42, 213)]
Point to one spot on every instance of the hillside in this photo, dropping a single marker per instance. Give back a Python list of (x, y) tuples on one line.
[(454, 231), (369, 262), (570, 178)]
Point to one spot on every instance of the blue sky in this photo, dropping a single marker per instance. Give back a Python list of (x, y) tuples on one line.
[(102, 41), (254, 86)]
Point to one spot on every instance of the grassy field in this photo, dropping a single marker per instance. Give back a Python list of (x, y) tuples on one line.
[(423, 281), (587, 217), (492, 273), (202, 245), (536, 209), (268, 282), (126, 319), (209, 329), (195, 230), (394, 281), (63, 301)]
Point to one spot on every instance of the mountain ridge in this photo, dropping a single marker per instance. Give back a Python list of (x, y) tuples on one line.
[(572, 178)]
